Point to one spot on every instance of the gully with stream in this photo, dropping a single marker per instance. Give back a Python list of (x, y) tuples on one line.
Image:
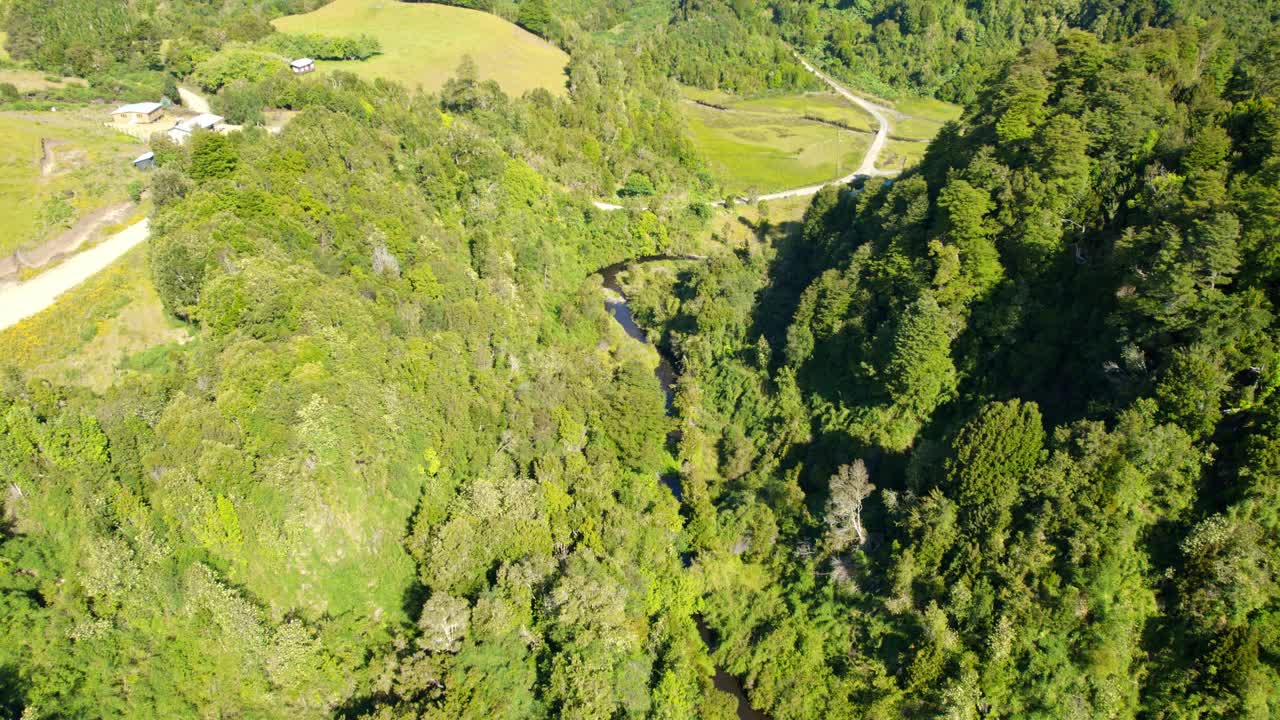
[(616, 304)]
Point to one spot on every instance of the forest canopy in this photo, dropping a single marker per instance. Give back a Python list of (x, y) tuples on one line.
[(995, 437)]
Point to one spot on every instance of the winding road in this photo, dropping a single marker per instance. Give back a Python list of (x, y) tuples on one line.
[(21, 301), (868, 166), (879, 112), (866, 169)]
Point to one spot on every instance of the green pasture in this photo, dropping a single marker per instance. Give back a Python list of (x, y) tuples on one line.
[(422, 44), (91, 168), (755, 152)]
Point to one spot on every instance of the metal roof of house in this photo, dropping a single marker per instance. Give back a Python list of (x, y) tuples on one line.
[(144, 157), (205, 120), (146, 108), (302, 62)]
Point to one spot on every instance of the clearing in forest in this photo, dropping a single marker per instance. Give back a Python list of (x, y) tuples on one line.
[(766, 145), (422, 44), (56, 169), (779, 142)]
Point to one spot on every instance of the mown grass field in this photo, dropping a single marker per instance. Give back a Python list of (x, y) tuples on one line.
[(91, 169), (113, 323), (757, 152), (422, 44)]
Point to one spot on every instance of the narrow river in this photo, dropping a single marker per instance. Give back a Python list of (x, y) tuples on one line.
[(616, 304)]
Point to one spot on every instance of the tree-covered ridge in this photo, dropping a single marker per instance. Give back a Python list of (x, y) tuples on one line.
[(87, 37), (947, 48), (622, 119), (408, 461), (131, 50), (993, 439), (728, 46)]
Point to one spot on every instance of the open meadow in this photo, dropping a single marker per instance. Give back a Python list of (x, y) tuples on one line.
[(756, 152), (422, 44), (928, 109), (778, 142), (57, 169)]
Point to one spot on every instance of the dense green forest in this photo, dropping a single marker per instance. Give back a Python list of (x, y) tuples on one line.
[(408, 451), (130, 47), (995, 438), (949, 47), (943, 48)]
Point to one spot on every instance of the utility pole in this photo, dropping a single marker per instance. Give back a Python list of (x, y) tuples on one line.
[(839, 159)]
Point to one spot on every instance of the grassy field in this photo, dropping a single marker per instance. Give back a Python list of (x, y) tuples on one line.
[(743, 228), (90, 169), (915, 128), (755, 152), (422, 44), (928, 109), (112, 324), (901, 154), (822, 106), (767, 144)]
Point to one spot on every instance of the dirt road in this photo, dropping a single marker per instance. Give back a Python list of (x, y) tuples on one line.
[(19, 302), (880, 113), (193, 101), (866, 169)]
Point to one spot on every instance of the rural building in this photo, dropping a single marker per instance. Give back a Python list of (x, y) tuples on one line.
[(138, 113), (145, 161), (181, 131), (204, 121), (302, 66)]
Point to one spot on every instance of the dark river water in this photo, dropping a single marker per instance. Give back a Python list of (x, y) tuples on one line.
[(666, 374)]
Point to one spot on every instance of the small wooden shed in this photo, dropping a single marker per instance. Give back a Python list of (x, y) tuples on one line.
[(302, 66)]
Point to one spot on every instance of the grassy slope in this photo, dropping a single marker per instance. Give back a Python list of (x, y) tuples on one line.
[(422, 44), (87, 335), (31, 80), (92, 171), (901, 154)]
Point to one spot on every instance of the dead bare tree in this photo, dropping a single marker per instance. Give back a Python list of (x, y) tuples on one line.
[(849, 487)]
